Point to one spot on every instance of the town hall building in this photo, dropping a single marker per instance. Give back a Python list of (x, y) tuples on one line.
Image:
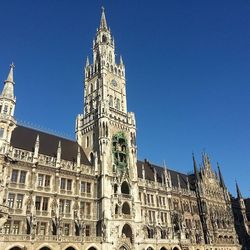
[(93, 193)]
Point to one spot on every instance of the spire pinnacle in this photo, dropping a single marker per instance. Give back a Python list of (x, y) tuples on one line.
[(87, 62), (103, 23), (196, 173), (10, 77), (8, 89), (222, 183), (239, 195)]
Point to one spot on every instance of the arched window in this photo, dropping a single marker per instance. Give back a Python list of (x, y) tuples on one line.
[(125, 208), (127, 232), (91, 158), (125, 188), (45, 248)]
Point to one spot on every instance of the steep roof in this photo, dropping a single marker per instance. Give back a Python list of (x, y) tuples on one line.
[(149, 174), (24, 138)]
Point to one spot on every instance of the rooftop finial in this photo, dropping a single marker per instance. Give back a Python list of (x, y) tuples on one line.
[(103, 23), (10, 77)]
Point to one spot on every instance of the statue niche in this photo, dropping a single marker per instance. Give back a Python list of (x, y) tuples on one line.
[(120, 152)]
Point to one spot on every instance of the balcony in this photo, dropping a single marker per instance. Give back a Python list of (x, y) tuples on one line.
[(47, 238)]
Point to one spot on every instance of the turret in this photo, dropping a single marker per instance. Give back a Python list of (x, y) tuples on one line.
[(222, 183), (196, 173), (7, 107)]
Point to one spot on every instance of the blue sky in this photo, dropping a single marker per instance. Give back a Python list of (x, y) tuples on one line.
[(187, 69)]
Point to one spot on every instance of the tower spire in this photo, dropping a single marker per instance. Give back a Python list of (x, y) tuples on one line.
[(8, 89), (103, 23)]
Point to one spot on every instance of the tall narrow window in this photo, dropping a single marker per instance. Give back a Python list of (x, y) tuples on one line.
[(111, 104), (11, 199), (5, 110), (19, 201), (47, 181), (16, 227), (40, 180), (14, 175), (7, 227), (22, 177), (45, 203), (38, 202), (69, 185), (63, 183), (67, 206)]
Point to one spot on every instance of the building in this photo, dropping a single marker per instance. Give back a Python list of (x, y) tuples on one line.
[(93, 193)]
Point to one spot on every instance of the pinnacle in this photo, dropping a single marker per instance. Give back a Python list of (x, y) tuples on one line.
[(103, 23)]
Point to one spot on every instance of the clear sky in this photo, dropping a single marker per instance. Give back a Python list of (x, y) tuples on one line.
[(187, 69)]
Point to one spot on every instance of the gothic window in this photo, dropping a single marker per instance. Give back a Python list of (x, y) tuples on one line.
[(91, 158), (127, 232), (150, 233), (125, 188), (63, 184), (125, 208)]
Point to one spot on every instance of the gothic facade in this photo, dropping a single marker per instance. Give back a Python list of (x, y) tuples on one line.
[(93, 193)]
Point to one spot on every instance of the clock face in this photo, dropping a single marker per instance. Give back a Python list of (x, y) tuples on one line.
[(114, 83)]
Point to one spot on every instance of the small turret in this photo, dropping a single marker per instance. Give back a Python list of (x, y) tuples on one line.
[(7, 107), (36, 149), (222, 183), (78, 159), (58, 154)]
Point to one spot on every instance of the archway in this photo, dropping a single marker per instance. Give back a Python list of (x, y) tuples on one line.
[(70, 248), (92, 248), (45, 248), (123, 248), (176, 248), (125, 208), (127, 232), (16, 248), (163, 248), (125, 188), (150, 248)]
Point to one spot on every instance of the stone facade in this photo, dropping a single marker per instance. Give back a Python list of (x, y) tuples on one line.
[(93, 193)]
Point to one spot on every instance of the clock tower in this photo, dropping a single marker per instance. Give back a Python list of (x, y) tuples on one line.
[(107, 133)]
